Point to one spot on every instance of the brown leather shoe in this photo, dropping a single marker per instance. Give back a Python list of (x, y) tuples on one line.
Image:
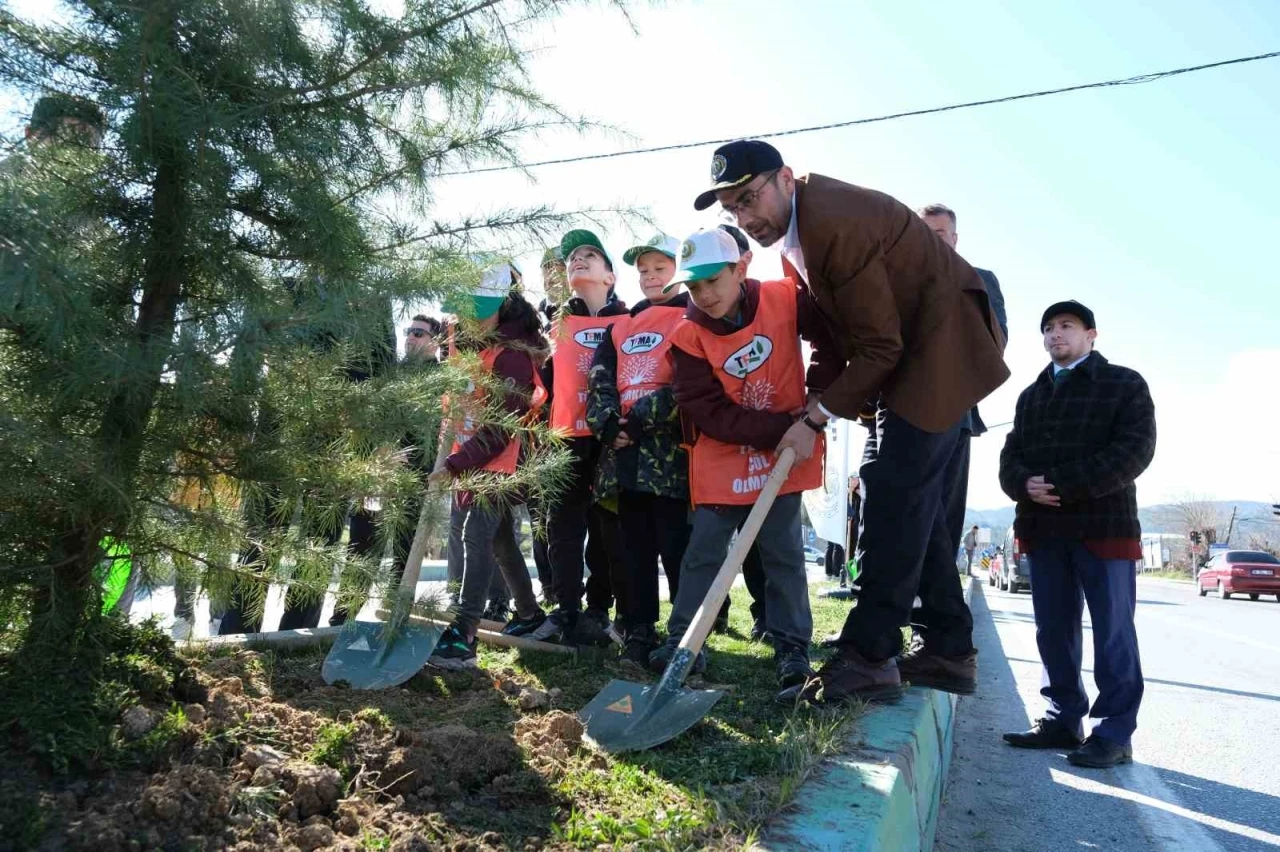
[(847, 676), (957, 675)]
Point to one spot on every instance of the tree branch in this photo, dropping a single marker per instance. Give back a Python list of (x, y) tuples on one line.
[(391, 44)]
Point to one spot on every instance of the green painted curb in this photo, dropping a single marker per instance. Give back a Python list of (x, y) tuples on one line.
[(884, 794)]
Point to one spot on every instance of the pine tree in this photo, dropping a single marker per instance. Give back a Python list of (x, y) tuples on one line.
[(180, 309)]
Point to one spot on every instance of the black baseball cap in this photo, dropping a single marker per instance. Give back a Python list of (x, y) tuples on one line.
[(737, 163), (1071, 306), (738, 237)]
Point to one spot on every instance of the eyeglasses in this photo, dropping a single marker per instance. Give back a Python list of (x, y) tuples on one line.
[(746, 201), (418, 333)]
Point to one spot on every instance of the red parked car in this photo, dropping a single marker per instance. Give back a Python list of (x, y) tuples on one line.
[(1241, 572)]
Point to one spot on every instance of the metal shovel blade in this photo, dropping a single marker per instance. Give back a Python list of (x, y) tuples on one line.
[(628, 716), (364, 658)]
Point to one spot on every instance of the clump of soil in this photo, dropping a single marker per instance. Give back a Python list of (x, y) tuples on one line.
[(448, 761), (550, 739)]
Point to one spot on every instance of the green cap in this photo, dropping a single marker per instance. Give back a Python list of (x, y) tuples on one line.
[(582, 237), (659, 242)]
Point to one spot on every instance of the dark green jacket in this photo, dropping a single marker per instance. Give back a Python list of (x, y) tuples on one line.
[(655, 463)]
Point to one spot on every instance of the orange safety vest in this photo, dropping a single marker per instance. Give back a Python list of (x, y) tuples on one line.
[(644, 343), (575, 340), (505, 461), (760, 367)]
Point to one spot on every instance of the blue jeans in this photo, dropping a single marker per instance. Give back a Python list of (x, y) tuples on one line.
[(1064, 576)]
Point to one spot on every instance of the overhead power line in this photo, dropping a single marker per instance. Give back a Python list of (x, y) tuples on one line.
[(1125, 81)]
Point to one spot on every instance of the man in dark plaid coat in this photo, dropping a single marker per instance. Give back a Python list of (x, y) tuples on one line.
[(1082, 433)]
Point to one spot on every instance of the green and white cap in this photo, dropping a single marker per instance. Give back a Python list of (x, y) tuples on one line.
[(659, 242), (484, 300), (582, 237), (703, 255)]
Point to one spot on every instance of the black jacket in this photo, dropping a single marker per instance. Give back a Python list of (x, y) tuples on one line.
[(655, 463), (585, 448), (973, 423), (1090, 437)]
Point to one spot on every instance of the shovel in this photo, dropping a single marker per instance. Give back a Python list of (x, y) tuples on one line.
[(628, 716), (376, 655)]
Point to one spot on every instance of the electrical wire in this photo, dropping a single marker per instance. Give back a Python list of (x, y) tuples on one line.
[(1124, 81)]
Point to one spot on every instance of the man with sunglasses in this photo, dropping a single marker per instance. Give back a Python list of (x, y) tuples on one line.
[(923, 346), (422, 339)]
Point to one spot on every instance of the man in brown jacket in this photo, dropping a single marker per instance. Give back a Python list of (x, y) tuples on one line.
[(922, 346)]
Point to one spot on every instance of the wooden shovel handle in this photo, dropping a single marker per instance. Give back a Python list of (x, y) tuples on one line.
[(496, 638), (696, 633), (413, 563)]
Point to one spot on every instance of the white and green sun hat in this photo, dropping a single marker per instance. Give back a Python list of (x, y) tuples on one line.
[(703, 255), (659, 242), (484, 300)]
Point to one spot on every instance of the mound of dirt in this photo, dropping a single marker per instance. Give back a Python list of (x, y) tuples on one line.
[(550, 738), (443, 762), (251, 773), (185, 807)]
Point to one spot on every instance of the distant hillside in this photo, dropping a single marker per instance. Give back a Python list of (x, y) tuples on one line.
[(998, 520), (1161, 518)]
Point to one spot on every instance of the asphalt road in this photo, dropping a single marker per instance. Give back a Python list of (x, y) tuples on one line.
[(1206, 772)]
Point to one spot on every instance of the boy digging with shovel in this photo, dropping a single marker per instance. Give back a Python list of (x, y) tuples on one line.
[(512, 335), (740, 384)]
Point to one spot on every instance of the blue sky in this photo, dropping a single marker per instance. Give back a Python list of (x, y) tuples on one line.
[(1157, 205)]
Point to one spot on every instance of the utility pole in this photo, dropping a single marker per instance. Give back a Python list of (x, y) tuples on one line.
[(1231, 526)]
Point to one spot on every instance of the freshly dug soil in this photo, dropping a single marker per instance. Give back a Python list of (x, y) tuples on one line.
[(275, 760)]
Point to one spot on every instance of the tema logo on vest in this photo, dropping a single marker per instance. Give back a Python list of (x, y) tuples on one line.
[(749, 358), (644, 341), (590, 337)]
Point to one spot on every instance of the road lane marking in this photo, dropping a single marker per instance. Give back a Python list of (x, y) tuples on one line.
[(1185, 624), (1175, 827)]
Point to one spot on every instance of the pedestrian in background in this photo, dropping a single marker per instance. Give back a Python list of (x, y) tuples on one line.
[(1082, 433)]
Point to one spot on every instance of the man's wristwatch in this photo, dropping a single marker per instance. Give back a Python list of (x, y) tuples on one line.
[(812, 424)]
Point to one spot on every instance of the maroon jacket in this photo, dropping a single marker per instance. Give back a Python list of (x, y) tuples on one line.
[(515, 368), (702, 400)]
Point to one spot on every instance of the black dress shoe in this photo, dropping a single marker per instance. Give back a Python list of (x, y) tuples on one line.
[(1047, 733), (1100, 753)]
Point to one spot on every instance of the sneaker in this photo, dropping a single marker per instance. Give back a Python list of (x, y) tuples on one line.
[(497, 610), (592, 629), (847, 676), (454, 651), (524, 626), (1047, 733), (760, 633), (557, 627), (661, 657), (958, 675), (1100, 753), (792, 665), (642, 640)]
